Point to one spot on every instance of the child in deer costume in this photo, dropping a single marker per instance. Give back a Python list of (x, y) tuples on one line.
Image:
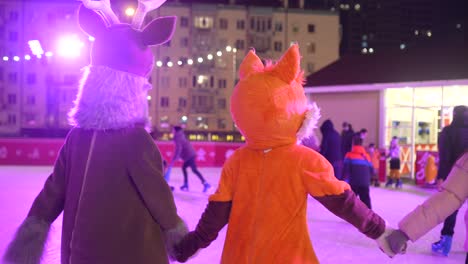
[(262, 193), (108, 177)]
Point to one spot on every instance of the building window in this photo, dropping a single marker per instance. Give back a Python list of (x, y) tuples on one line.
[(203, 22), (14, 16), (30, 100), (182, 82), (31, 78), (164, 101), (311, 28), (11, 99), (278, 27), (164, 121), (310, 47), (278, 46), (252, 23), (202, 81), (223, 23), (184, 42), (295, 28), (182, 102), (222, 83), (222, 103), (240, 24), (13, 36), (221, 123), (165, 82), (11, 119), (184, 22), (240, 44), (12, 77), (167, 44)]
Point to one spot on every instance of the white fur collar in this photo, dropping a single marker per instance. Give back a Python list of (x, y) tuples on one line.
[(110, 99), (311, 119)]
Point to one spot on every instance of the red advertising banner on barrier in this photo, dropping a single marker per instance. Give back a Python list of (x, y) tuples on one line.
[(426, 167), (44, 151)]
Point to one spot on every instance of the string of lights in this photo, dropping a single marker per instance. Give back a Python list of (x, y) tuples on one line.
[(70, 46)]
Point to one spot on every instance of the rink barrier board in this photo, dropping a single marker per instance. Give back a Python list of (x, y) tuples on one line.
[(44, 151)]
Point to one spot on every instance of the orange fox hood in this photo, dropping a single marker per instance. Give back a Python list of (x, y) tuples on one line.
[(268, 104)]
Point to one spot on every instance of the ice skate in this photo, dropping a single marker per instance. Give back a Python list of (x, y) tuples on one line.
[(399, 184), (442, 246), (184, 188), (206, 186), (389, 183)]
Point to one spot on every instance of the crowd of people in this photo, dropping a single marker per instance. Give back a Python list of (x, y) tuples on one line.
[(335, 147)]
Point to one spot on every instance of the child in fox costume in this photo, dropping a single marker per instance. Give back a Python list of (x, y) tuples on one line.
[(108, 177), (262, 193)]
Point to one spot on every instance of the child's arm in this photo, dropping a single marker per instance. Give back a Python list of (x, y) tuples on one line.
[(214, 218), (338, 198)]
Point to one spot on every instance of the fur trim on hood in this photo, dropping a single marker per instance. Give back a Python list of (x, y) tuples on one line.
[(312, 117), (110, 99)]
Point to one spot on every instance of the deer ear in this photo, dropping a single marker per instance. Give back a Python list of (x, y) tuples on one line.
[(289, 66), (159, 31), (91, 22), (250, 64)]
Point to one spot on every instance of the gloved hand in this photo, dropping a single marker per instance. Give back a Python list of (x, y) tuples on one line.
[(187, 247), (397, 241), (383, 243)]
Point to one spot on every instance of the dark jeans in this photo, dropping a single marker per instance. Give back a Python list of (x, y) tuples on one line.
[(449, 224), (193, 165), (338, 169), (363, 193), (466, 260)]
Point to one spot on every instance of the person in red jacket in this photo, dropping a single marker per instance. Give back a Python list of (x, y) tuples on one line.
[(359, 170)]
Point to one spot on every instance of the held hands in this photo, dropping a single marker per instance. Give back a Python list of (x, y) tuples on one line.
[(397, 241), (392, 242)]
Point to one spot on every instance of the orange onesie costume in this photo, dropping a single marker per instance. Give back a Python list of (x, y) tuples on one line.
[(262, 193)]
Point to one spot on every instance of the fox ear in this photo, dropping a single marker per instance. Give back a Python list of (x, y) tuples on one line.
[(91, 22), (289, 66), (250, 64)]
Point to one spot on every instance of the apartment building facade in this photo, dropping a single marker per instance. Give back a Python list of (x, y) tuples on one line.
[(194, 73)]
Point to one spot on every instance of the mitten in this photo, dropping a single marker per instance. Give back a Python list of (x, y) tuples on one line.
[(397, 241), (383, 243)]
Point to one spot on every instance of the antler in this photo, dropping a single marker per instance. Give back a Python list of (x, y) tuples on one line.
[(144, 6), (104, 7)]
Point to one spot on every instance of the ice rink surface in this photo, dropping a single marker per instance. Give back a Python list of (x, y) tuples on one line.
[(334, 240)]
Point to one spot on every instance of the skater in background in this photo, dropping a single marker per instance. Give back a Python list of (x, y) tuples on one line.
[(363, 134), (375, 160), (185, 151), (330, 147), (358, 170), (452, 141), (346, 138), (394, 155), (167, 173), (454, 192)]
